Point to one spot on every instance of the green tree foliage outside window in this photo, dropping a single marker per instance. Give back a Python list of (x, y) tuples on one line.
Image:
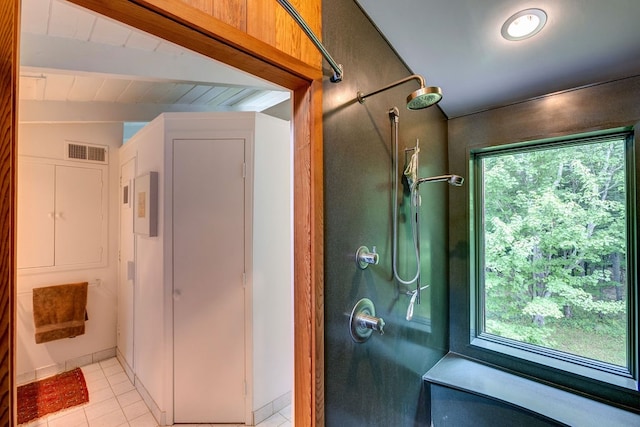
[(555, 247)]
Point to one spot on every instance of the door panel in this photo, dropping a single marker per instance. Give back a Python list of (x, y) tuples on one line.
[(79, 216), (126, 265), (209, 308), (36, 211)]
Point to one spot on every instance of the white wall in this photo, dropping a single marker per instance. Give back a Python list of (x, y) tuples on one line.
[(272, 258), (47, 140), (271, 373), (151, 357)]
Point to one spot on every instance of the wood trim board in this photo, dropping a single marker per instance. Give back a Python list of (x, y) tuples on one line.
[(200, 32)]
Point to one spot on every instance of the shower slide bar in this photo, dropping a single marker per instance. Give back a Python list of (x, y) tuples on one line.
[(337, 68)]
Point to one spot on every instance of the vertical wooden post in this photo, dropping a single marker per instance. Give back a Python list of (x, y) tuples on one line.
[(9, 65), (194, 29)]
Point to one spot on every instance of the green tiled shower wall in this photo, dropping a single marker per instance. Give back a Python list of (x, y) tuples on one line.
[(378, 383)]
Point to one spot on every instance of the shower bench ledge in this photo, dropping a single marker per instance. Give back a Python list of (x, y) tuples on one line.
[(459, 373)]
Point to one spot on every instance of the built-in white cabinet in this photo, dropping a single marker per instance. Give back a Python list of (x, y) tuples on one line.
[(212, 292), (62, 215)]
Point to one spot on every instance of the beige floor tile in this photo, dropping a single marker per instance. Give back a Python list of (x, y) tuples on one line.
[(118, 378), (97, 410), (96, 384), (113, 400), (100, 395), (146, 420), (91, 368), (91, 376), (126, 399), (276, 420), (109, 362), (73, 418), (112, 370), (122, 387), (135, 410), (286, 412), (112, 419)]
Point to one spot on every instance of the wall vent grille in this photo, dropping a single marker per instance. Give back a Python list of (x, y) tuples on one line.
[(86, 152)]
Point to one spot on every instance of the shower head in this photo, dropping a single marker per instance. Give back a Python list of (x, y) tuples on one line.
[(422, 98), (455, 180)]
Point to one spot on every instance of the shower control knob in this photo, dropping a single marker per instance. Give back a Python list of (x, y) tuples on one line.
[(371, 322), (364, 257), (363, 321)]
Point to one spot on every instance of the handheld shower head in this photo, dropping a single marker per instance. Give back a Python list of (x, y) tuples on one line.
[(421, 98), (455, 180)]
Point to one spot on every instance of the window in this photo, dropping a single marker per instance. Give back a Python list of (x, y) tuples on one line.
[(555, 255)]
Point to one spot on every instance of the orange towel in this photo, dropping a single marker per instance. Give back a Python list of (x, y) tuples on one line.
[(59, 311)]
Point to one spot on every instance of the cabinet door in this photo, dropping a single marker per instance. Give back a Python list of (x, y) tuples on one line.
[(35, 214), (79, 216)]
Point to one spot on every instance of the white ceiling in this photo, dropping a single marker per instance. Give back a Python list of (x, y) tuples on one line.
[(79, 66), (71, 56), (457, 45)]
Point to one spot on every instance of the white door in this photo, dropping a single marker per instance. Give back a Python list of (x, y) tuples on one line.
[(126, 272), (208, 265), (36, 214), (79, 215)]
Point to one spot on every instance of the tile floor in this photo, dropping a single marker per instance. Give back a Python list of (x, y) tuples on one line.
[(114, 402)]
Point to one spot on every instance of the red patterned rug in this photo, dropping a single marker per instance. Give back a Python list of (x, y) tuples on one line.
[(51, 395)]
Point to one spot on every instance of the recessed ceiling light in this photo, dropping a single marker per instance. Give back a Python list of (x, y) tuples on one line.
[(524, 24)]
